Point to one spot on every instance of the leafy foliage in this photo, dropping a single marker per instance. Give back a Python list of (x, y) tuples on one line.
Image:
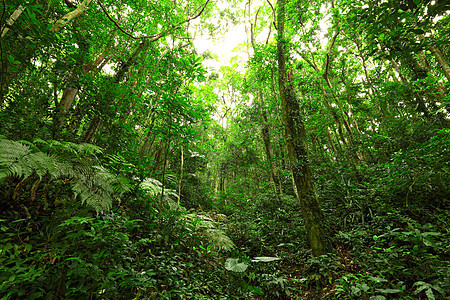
[(131, 166), (92, 184)]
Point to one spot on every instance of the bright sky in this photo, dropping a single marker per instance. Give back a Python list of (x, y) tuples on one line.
[(225, 46), (222, 46)]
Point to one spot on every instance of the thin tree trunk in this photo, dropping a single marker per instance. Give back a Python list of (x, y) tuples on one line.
[(181, 174), (268, 145), (117, 79), (364, 65), (147, 137), (330, 140), (91, 130), (165, 165), (297, 150)]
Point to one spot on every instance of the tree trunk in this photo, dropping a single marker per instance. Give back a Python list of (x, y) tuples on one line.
[(441, 60), (92, 129), (180, 182), (297, 150), (268, 145)]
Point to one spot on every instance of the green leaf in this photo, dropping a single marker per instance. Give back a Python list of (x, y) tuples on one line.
[(389, 291), (233, 264), (10, 58), (431, 233), (430, 295), (265, 259), (377, 279), (428, 242), (255, 289)]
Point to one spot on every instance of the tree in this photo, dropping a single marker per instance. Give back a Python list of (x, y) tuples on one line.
[(297, 148)]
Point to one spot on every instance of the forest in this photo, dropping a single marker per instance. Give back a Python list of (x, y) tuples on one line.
[(313, 163)]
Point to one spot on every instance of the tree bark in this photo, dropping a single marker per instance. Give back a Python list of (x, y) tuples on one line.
[(11, 20), (180, 181), (70, 16), (297, 150), (268, 145), (330, 140), (441, 60)]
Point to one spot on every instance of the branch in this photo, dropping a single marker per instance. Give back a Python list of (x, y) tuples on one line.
[(252, 27), (327, 64), (155, 37), (11, 19), (197, 15), (313, 65), (70, 16), (274, 15), (158, 36), (154, 69)]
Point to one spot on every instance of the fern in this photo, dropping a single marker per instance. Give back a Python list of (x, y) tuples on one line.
[(200, 222), (68, 148), (92, 184), (154, 188), (209, 228), (16, 159)]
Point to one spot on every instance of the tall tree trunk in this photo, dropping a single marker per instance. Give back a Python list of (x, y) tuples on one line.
[(180, 181), (330, 140), (297, 150), (268, 145), (92, 129)]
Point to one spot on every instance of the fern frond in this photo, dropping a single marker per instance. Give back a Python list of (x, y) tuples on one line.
[(11, 151), (171, 179), (39, 141), (90, 149), (119, 159), (30, 144), (216, 237), (151, 186), (94, 185), (122, 185), (169, 193), (219, 240)]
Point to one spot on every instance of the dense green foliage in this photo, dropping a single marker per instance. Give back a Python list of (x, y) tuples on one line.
[(130, 170)]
